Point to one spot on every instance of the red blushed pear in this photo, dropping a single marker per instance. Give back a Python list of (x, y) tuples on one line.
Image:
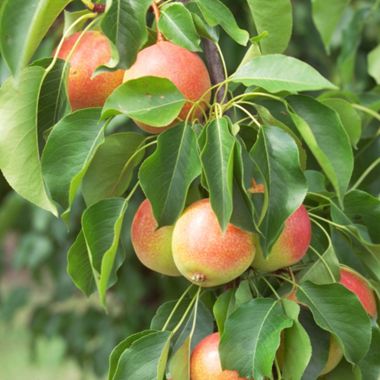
[(290, 247), (206, 255), (184, 68), (205, 362), (358, 285), (152, 245), (92, 51)]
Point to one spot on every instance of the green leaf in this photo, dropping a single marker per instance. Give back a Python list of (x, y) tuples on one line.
[(222, 308), (203, 30), (351, 40), (374, 64), (337, 310), (276, 73), (179, 367), (145, 358), (316, 181), (79, 266), (324, 134), (243, 210), (251, 337), (274, 17), (22, 28), (361, 210), (320, 342), (19, 153), (325, 269), (71, 145), (217, 163), (370, 364), (216, 13), (167, 174), (151, 100), (326, 16), (348, 116), (52, 103), (297, 345), (111, 170), (125, 25), (276, 154), (177, 25), (101, 224), (120, 348)]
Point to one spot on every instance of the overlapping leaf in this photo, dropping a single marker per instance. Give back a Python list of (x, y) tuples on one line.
[(275, 18), (251, 337), (151, 100), (166, 175), (324, 134), (277, 156), (125, 25), (68, 152), (20, 39), (217, 164), (19, 153), (276, 73)]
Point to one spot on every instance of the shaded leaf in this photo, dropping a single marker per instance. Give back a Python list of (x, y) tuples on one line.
[(297, 346), (125, 25), (111, 169), (276, 154), (348, 116), (324, 134), (120, 348), (166, 175), (216, 13), (320, 345), (145, 358), (79, 266), (370, 364), (101, 224)]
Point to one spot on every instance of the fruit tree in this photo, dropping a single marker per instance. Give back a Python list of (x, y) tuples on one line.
[(253, 178)]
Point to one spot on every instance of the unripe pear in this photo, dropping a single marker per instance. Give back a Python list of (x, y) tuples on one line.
[(152, 245), (290, 247), (205, 361), (92, 51), (184, 68), (206, 255), (358, 285)]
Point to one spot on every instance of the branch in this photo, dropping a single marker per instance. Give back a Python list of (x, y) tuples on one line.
[(214, 63)]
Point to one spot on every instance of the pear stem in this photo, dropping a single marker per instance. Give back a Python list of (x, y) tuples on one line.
[(97, 8), (157, 15)]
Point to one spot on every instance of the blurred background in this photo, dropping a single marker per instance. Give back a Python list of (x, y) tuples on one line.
[(48, 329)]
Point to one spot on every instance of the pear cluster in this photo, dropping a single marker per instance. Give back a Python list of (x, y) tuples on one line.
[(195, 247)]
